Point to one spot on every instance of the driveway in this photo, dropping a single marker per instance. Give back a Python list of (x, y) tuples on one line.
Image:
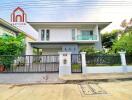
[(29, 78), (114, 91)]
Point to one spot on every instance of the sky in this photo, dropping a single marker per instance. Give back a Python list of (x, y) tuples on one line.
[(71, 10)]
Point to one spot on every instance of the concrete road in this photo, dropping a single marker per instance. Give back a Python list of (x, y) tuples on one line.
[(115, 91)]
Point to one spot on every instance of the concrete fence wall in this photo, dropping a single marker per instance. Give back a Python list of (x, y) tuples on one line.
[(65, 65), (108, 69)]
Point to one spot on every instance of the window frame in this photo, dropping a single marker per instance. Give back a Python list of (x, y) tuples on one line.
[(45, 37), (90, 30), (73, 34)]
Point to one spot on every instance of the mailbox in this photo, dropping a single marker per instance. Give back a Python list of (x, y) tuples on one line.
[(64, 61)]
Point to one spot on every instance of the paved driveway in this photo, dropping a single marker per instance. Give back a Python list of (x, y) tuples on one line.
[(28, 78), (115, 91)]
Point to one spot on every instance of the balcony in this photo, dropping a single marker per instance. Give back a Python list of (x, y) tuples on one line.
[(90, 37)]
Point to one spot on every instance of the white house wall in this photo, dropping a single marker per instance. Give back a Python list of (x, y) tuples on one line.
[(27, 28), (60, 34), (29, 48), (64, 34)]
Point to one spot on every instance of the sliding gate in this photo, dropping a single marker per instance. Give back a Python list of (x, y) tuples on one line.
[(29, 63)]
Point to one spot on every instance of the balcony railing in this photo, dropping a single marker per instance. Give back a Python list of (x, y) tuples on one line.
[(90, 37)]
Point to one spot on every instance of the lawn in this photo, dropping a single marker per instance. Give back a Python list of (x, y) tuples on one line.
[(76, 66)]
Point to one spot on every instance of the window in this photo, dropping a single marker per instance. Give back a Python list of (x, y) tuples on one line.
[(45, 35), (42, 35), (91, 32), (73, 34), (86, 32)]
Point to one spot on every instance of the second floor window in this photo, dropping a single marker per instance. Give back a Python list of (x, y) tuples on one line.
[(86, 32), (45, 35), (73, 34), (42, 35)]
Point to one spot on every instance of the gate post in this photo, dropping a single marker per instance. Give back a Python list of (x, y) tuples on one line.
[(84, 68), (64, 63), (123, 61)]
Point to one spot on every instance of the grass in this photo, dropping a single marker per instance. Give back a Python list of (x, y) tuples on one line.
[(76, 66), (103, 65)]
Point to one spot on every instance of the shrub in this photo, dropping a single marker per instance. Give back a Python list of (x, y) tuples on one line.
[(92, 51), (10, 48)]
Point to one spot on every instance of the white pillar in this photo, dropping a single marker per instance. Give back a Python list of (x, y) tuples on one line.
[(84, 68), (64, 63), (123, 61)]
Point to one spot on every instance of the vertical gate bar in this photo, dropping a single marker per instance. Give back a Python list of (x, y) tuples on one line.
[(11, 65), (20, 66), (37, 64), (53, 69), (71, 62), (81, 63), (45, 62), (25, 63), (29, 63), (33, 65)]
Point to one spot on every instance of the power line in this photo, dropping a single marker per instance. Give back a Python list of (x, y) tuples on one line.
[(55, 5), (46, 4), (82, 5), (67, 3), (60, 1)]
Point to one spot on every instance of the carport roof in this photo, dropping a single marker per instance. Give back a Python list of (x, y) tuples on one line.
[(54, 44)]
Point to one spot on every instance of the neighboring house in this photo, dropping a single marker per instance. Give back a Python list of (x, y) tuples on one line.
[(7, 28), (54, 37)]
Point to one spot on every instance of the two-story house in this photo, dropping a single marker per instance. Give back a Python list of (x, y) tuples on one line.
[(54, 37)]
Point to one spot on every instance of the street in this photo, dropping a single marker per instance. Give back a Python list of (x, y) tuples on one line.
[(115, 90)]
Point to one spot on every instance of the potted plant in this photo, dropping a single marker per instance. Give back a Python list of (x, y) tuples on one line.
[(2, 68)]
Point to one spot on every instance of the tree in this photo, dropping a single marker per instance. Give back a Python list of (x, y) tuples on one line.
[(124, 43), (127, 25), (10, 48), (109, 37), (124, 23)]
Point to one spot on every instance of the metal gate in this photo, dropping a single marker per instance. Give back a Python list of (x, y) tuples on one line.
[(76, 63), (30, 63)]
